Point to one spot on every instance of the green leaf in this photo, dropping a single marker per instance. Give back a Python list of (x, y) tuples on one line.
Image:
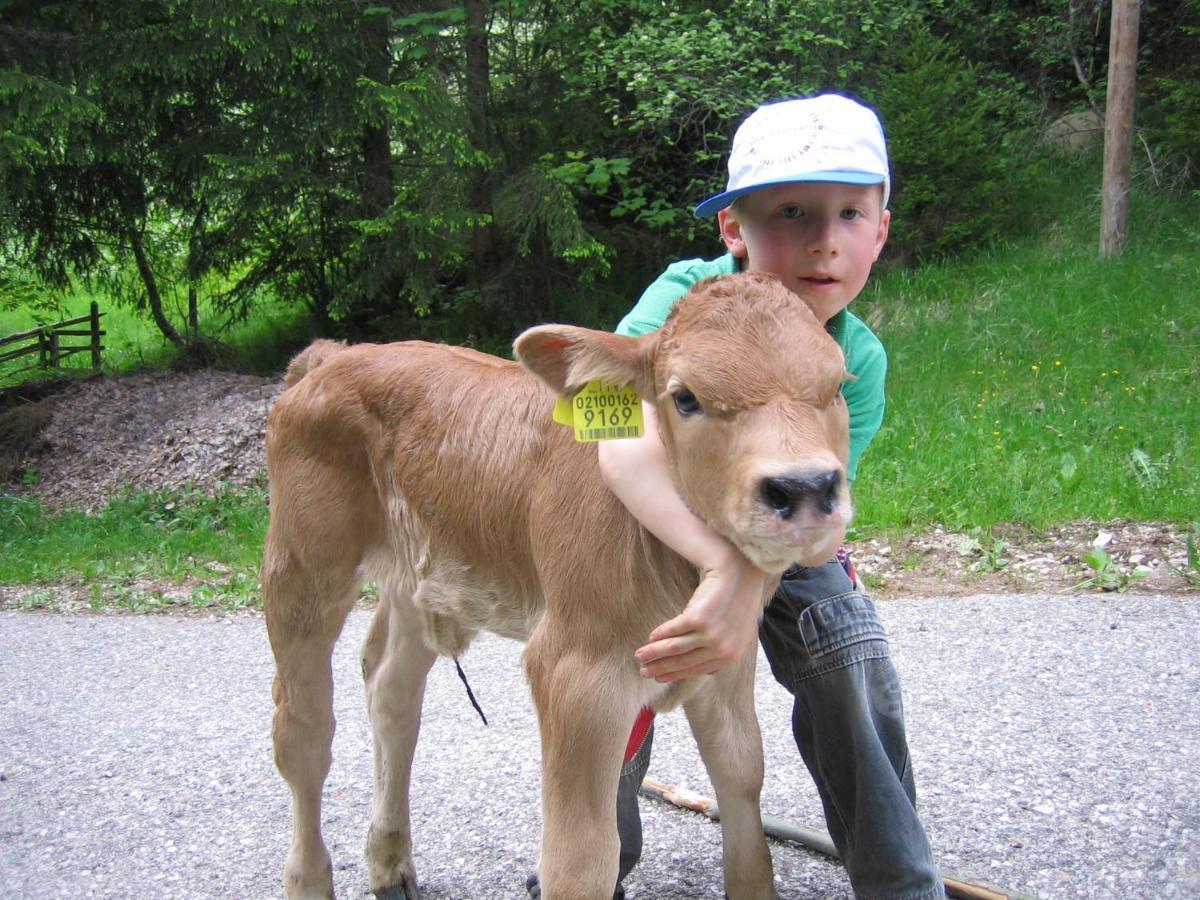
[(1098, 559)]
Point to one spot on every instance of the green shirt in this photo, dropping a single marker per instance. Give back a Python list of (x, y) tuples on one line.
[(866, 359)]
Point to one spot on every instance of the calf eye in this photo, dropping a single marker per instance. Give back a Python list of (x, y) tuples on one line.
[(686, 403)]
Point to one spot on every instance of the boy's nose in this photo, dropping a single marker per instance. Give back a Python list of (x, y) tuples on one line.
[(822, 240)]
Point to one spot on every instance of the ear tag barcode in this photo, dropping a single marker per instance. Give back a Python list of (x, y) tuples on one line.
[(602, 411)]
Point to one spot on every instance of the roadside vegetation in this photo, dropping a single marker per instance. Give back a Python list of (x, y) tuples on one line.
[(1035, 384), (1031, 384), (170, 550)]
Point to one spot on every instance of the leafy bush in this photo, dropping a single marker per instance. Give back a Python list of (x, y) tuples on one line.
[(958, 138)]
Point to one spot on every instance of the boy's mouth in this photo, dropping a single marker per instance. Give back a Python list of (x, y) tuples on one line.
[(819, 279)]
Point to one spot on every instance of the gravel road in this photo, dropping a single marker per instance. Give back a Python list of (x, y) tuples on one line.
[(1056, 741)]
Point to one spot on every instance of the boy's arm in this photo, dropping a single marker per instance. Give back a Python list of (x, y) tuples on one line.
[(721, 618), (867, 361)]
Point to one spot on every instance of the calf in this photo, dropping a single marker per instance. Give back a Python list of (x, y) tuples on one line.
[(437, 473)]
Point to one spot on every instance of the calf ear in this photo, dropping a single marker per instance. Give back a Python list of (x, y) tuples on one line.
[(567, 357)]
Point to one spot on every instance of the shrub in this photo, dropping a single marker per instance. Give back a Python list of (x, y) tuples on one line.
[(958, 137)]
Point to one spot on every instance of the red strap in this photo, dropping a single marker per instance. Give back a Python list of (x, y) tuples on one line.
[(641, 726)]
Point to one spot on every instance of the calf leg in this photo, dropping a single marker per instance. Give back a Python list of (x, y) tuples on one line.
[(723, 721), (585, 711), (395, 664), (305, 613)]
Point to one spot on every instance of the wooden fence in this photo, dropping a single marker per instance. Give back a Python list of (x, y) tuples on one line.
[(47, 341)]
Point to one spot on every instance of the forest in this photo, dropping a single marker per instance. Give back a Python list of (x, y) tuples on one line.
[(457, 171), (226, 179)]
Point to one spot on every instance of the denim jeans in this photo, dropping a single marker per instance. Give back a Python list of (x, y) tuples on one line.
[(826, 645)]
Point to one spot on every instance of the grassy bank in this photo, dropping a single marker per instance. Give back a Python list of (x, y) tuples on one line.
[(1038, 384), (172, 549)]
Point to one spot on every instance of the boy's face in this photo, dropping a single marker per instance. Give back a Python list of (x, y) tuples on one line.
[(819, 238)]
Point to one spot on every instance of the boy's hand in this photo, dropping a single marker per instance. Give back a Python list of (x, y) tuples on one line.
[(720, 621)]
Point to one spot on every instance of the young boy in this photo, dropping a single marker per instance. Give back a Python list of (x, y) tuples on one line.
[(806, 201)]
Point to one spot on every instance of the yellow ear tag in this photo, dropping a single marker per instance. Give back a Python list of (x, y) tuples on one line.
[(602, 411), (563, 414)]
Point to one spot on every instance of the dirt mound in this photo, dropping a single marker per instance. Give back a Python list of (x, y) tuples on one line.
[(150, 430)]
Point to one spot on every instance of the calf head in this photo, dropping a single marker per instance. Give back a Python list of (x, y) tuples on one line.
[(747, 387)]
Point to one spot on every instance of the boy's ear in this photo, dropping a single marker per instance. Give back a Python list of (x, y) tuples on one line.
[(881, 236), (567, 357), (731, 232)]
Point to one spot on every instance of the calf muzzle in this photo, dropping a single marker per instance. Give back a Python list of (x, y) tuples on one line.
[(786, 494)]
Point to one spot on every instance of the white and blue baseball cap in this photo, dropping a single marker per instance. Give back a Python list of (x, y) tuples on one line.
[(829, 138)]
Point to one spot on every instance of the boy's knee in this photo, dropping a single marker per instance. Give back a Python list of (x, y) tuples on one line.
[(818, 623)]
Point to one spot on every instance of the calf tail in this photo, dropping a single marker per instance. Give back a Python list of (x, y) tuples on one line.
[(309, 358)]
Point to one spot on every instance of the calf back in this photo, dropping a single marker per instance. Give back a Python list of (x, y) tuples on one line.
[(476, 497)]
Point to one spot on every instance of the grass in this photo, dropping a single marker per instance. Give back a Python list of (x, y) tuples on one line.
[(1038, 384), (171, 549), (132, 341), (1035, 384)]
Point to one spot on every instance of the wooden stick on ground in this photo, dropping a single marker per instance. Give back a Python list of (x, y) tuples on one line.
[(814, 839)]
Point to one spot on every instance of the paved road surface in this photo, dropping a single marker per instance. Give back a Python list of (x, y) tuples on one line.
[(1056, 742)]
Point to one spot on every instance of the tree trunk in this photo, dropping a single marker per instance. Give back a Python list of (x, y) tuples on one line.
[(193, 313), (483, 238), (1118, 125), (378, 187), (195, 268), (152, 295)]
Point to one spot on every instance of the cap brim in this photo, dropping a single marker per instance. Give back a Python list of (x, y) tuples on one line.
[(718, 202)]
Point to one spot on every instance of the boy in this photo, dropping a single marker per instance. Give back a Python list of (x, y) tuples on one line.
[(806, 201)]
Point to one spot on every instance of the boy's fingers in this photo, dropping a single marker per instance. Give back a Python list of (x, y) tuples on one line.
[(679, 627), (667, 648), (687, 665)]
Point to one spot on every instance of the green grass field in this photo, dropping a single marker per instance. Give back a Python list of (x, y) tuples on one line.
[(1038, 384), (1035, 384)]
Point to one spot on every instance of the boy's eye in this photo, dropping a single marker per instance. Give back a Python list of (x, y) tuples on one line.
[(791, 212), (852, 213)]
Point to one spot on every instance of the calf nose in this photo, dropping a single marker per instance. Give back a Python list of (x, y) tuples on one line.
[(786, 493)]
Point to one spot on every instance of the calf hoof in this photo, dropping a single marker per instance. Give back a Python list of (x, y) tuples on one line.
[(405, 890), (534, 889)]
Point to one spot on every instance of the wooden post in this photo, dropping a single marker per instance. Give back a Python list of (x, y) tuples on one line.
[(1118, 125), (55, 350), (43, 349), (95, 312)]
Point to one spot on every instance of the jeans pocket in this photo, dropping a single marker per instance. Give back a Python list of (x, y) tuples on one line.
[(838, 622)]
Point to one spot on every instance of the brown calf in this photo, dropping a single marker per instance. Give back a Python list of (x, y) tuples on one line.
[(437, 473)]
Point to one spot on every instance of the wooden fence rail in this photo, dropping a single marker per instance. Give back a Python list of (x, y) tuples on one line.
[(47, 341)]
